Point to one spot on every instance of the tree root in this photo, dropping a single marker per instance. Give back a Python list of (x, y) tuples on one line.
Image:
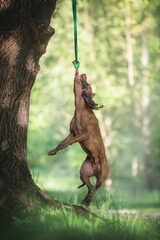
[(79, 210)]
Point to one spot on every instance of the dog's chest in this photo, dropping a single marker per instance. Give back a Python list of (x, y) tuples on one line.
[(77, 125)]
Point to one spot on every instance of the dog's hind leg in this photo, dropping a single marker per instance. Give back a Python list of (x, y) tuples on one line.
[(86, 172), (102, 173), (99, 182), (101, 178), (90, 193)]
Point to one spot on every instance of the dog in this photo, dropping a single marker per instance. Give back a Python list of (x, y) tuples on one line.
[(84, 128)]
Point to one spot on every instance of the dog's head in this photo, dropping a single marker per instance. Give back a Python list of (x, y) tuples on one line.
[(86, 85), (87, 93)]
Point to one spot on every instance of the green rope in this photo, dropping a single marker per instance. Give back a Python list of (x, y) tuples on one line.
[(76, 63)]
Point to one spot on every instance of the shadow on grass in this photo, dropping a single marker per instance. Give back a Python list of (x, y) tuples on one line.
[(47, 224)]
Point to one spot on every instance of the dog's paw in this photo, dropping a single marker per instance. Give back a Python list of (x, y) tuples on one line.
[(53, 152), (87, 200)]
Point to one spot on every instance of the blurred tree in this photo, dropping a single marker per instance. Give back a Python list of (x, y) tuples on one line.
[(145, 113), (129, 45), (110, 42), (154, 70)]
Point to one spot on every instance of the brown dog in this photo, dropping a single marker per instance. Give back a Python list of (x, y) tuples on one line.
[(84, 129)]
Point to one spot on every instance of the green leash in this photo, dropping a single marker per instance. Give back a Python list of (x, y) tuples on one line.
[(76, 62)]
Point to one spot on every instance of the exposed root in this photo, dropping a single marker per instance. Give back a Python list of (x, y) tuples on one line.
[(79, 210)]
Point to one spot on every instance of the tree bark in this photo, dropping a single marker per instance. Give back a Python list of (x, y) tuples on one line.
[(24, 35)]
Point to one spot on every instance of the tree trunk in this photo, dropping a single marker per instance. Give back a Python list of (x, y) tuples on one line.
[(24, 35), (145, 113), (129, 45)]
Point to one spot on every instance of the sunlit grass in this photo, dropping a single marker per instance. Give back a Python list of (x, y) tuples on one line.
[(62, 184)]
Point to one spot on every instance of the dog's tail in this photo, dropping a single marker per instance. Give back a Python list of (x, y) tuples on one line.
[(81, 185)]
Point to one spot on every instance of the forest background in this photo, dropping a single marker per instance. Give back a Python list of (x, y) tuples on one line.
[(119, 49)]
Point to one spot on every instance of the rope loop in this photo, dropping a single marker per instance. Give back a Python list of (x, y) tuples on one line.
[(76, 65)]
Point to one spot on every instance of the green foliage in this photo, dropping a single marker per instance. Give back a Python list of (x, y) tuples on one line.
[(102, 47)]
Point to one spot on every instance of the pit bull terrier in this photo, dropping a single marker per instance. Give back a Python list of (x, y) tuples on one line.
[(84, 128)]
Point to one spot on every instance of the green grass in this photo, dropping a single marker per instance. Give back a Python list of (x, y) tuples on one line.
[(45, 223), (61, 184)]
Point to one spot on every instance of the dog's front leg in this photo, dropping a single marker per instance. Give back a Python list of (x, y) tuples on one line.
[(79, 138), (69, 141), (62, 144), (72, 139)]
